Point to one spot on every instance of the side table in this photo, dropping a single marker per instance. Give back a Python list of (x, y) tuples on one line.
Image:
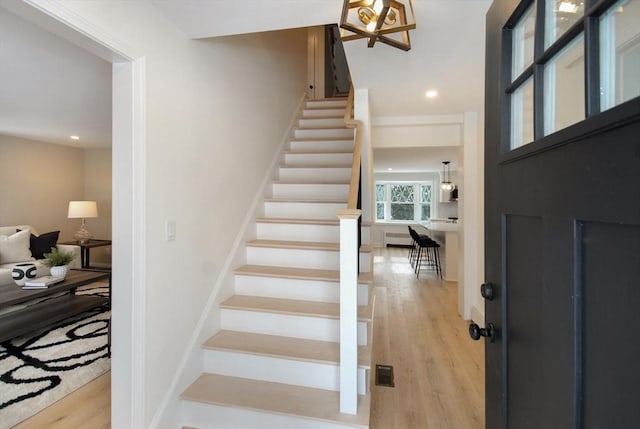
[(86, 247)]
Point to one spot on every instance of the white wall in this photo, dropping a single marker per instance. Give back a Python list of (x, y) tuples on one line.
[(471, 208), (417, 131), (41, 178), (37, 182), (215, 112)]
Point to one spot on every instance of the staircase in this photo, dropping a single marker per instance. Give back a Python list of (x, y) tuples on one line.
[(275, 363)]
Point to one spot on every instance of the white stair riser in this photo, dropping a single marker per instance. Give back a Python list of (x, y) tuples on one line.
[(321, 122), (321, 191), (301, 258), (304, 290), (326, 104), (342, 174), (339, 133), (318, 375), (321, 145), (303, 159), (312, 328), (303, 232), (298, 232), (207, 416), (302, 210), (312, 113)]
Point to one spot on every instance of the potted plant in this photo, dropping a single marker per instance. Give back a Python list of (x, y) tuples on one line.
[(58, 262)]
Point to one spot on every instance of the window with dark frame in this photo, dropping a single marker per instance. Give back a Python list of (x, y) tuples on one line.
[(569, 60)]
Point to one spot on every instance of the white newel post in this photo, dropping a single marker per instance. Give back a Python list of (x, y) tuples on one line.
[(349, 255)]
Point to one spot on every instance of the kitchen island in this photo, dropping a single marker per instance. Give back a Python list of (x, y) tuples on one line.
[(436, 228)]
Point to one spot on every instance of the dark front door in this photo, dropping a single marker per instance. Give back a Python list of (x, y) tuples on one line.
[(562, 214)]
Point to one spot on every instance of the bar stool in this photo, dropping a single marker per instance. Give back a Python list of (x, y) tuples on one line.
[(413, 250), (428, 253)]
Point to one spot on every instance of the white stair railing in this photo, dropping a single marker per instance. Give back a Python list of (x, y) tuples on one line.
[(349, 257)]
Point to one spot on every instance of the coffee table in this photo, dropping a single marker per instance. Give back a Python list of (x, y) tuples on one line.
[(41, 315)]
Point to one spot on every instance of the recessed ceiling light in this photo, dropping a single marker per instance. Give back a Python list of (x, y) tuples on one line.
[(74, 137), (389, 169), (432, 93)]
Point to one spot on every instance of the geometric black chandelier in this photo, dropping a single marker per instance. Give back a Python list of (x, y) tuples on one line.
[(385, 21)]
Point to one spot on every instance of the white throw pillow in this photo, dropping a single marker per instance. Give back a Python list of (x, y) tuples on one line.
[(15, 248)]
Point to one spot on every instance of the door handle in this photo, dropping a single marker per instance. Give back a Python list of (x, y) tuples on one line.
[(475, 331), (486, 290)]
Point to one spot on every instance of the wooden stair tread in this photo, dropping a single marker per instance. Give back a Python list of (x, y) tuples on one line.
[(310, 182), (305, 166), (292, 307), (304, 200), (320, 139), (299, 221), (302, 245), (336, 98), (284, 347), (335, 116), (317, 152), (298, 273), (322, 127), (278, 398), (326, 103)]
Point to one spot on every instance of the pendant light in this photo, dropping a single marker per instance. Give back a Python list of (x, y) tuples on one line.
[(385, 21), (446, 184)]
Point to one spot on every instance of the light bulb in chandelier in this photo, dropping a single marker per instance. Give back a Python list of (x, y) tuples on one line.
[(446, 183), (447, 186)]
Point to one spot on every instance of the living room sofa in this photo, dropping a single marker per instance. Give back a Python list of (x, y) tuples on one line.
[(18, 242)]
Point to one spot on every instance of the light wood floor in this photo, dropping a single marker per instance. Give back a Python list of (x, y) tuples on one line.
[(439, 371), (88, 407)]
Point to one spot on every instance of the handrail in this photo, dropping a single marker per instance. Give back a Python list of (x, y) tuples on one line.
[(350, 122), (349, 267)]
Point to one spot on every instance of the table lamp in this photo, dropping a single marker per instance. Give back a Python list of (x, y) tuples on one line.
[(83, 210)]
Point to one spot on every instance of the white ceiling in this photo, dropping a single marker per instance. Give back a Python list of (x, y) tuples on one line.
[(447, 54), (447, 47), (52, 89)]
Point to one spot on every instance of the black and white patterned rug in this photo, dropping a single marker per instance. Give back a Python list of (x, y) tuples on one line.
[(37, 370)]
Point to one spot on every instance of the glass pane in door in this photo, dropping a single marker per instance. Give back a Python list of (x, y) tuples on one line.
[(620, 53), (522, 114), (522, 43), (560, 15), (564, 99)]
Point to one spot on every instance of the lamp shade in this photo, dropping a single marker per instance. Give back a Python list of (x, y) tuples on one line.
[(82, 209)]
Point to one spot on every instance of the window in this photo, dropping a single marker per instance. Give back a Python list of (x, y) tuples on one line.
[(521, 96), (403, 201), (619, 53), (522, 114), (560, 16), (523, 42), (569, 60), (564, 87)]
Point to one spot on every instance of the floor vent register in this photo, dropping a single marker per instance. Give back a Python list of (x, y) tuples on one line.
[(384, 375)]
